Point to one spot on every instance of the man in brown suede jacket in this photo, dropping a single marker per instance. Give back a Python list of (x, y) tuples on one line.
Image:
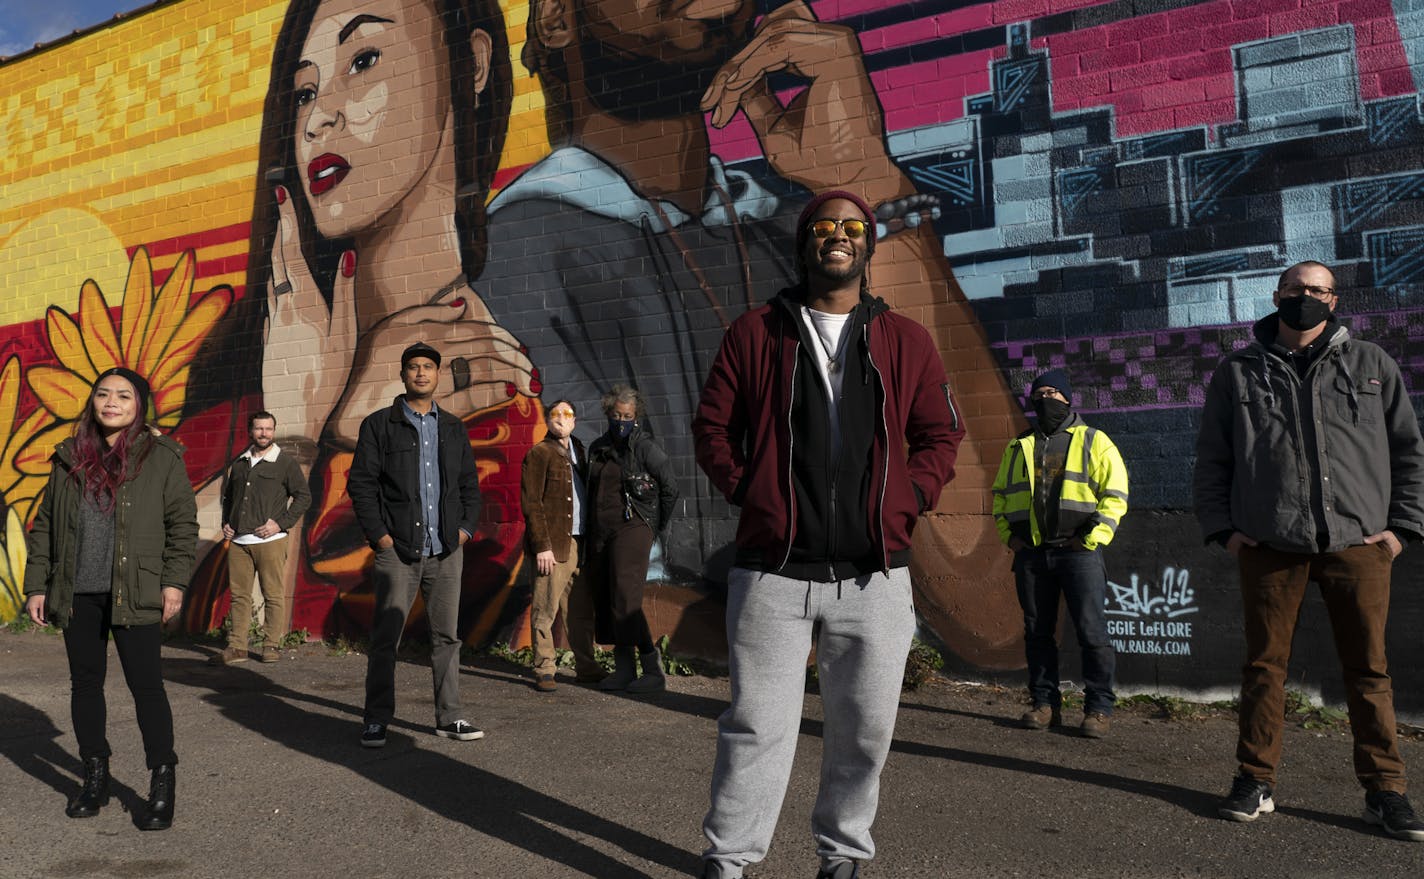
[(551, 492)]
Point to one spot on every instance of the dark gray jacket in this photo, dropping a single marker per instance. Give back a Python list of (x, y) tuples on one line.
[(1252, 474), (385, 481)]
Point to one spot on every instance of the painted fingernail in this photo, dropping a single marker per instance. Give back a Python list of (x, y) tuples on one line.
[(457, 303), (509, 389), (534, 372), (535, 386), (348, 264), (281, 192), (523, 349)]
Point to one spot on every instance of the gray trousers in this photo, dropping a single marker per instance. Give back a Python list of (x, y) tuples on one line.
[(863, 629), (438, 581)]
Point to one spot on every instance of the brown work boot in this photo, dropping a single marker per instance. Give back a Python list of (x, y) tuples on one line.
[(1041, 717), (271, 654), (229, 656), (545, 683), (1095, 725)]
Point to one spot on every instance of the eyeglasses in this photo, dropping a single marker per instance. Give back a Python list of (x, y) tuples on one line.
[(562, 413), (1309, 290), (854, 229), (1044, 393)]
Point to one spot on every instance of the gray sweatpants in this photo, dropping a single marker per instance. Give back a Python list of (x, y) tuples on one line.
[(865, 627)]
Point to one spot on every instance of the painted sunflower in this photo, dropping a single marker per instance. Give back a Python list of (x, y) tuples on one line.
[(157, 335)]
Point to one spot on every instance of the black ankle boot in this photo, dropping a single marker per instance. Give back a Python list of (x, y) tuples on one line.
[(95, 793), (158, 811)]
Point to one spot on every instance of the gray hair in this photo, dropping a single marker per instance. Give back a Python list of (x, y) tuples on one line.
[(625, 394)]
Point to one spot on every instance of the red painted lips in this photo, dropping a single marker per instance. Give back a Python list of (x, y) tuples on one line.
[(325, 171)]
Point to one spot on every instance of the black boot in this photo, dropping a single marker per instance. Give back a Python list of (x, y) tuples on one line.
[(158, 811), (95, 793)]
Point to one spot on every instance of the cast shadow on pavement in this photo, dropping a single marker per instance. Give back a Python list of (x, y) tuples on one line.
[(483, 801), (28, 738)]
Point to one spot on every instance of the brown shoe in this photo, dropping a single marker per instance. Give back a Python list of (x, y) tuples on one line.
[(1041, 717), (229, 656), (546, 684), (271, 654), (1095, 725)]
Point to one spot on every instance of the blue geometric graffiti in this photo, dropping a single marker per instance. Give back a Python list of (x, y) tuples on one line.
[(1208, 176), (957, 179), (1358, 203), (1396, 255)]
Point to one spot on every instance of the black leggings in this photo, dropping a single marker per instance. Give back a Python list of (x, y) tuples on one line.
[(86, 641)]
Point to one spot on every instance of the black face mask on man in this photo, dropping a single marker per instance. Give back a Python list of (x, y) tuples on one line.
[(1051, 413), (1302, 313)]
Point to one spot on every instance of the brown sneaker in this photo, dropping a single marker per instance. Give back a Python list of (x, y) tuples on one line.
[(1095, 725), (271, 654), (545, 684), (229, 656), (1041, 717)]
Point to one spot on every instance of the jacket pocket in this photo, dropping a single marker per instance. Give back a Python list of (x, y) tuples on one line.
[(145, 583), (1365, 400)]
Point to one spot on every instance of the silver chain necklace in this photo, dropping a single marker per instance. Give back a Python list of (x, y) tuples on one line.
[(833, 361)]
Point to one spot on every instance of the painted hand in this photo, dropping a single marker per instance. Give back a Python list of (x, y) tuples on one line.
[(305, 365), (832, 134), (481, 364)]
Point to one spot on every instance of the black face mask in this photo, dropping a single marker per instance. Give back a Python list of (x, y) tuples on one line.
[(1051, 414), (1302, 313)]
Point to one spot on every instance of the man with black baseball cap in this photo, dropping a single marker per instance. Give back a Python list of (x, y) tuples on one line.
[(416, 494)]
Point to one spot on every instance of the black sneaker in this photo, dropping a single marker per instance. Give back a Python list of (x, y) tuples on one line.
[(1247, 800), (374, 735), (460, 731), (839, 870), (1387, 809)]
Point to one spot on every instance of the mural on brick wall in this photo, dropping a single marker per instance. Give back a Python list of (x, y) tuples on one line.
[(584, 192)]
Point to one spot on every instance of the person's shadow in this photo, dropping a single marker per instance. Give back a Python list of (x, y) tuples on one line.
[(30, 741), (480, 799)]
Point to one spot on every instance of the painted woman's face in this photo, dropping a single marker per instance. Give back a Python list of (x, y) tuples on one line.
[(373, 103)]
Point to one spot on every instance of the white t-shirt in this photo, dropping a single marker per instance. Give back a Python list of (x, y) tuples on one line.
[(830, 346)]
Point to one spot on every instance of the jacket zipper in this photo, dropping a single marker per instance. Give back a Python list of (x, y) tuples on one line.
[(885, 461), (790, 455)]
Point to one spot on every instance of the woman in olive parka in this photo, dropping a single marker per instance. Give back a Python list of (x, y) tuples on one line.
[(110, 553)]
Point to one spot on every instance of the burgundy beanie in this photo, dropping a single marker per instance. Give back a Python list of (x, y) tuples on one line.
[(815, 205)]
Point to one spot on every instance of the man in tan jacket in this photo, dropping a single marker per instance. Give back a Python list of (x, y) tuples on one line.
[(552, 495)]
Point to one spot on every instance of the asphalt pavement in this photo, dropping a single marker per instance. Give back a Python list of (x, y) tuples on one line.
[(272, 782)]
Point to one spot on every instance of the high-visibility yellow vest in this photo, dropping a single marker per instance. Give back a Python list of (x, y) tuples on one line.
[(1094, 487)]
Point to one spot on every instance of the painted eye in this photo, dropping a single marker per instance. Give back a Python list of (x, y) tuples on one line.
[(365, 61), (305, 96)]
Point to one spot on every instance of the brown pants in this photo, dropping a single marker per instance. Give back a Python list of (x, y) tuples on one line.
[(1355, 586), (562, 592), (266, 561)]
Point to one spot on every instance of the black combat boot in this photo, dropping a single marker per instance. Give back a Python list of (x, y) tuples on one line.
[(158, 811), (95, 793)]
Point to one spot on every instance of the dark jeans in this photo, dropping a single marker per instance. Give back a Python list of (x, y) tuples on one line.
[(1043, 574), (437, 580), (86, 641), (1354, 584), (618, 567)]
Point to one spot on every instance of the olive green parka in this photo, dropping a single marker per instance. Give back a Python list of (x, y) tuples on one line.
[(155, 535)]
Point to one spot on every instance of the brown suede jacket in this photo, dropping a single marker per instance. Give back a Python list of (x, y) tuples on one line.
[(546, 493)]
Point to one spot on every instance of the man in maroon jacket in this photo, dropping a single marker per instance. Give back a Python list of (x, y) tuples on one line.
[(804, 422)]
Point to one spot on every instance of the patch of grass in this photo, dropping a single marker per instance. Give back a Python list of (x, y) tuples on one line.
[(23, 623), (673, 664), (340, 645), (1165, 707), (295, 639), (921, 666)]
